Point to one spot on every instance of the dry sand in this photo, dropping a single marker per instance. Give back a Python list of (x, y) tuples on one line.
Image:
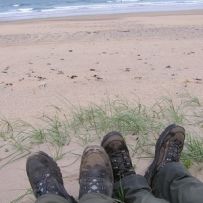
[(87, 59)]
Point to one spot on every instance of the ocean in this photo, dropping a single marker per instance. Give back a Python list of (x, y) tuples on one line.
[(30, 9)]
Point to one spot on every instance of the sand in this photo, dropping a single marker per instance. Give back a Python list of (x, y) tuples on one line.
[(86, 59)]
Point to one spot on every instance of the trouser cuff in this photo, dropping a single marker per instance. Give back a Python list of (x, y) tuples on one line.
[(165, 176), (52, 198), (128, 187), (95, 197), (137, 182)]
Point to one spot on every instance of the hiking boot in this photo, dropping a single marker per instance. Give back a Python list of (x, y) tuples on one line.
[(168, 149), (95, 172), (45, 176), (116, 148)]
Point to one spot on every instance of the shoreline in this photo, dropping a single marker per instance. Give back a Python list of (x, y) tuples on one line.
[(96, 17), (104, 16)]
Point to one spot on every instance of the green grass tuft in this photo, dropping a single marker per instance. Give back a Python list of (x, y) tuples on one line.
[(84, 125), (193, 151)]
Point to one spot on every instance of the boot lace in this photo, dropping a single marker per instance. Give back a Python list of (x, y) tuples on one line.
[(46, 185), (92, 183), (174, 151), (121, 164)]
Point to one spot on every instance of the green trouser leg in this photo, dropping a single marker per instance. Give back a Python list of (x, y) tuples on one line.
[(96, 198), (135, 189), (175, 184), (51, 198), (88, 198)]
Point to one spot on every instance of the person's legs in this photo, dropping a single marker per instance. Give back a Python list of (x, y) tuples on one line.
[(96, 178), (87, 198), (129, 187), (46, 179), (135, 189), (174, 183), (167, 177)]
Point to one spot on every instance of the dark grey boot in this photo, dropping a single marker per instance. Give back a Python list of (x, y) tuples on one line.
[(45, 176), (117, 150), (168, 149)]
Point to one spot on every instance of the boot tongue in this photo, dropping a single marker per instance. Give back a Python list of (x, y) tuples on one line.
[(121, 164), (97, 171), (115, 146)]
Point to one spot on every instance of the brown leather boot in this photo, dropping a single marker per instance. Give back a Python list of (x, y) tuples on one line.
[(168, 149), (95, 172)]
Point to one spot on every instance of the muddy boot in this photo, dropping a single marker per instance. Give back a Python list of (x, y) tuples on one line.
[(168, 149), (45, 176), (116, 148), (95, 172)]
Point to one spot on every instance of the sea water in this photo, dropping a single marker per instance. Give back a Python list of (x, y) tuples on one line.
[(28, 9)]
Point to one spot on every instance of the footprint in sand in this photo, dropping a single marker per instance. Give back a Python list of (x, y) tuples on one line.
[(60, 72), (8, 84), (127, 69), (72, 76), (5, 70), (137, 77), (97, 77), (92, 69), (21, 79), (40, 78), (42, 85), (198, 80)]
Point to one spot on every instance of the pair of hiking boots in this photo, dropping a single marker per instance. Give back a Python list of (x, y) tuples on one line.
[(102, 166)]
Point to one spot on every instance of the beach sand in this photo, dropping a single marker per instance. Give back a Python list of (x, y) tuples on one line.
[(87, 59)]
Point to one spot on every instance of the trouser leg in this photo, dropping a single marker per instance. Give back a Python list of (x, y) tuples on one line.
[(88, 198), (96, 198), (175, 184), (135, 189), (51, 198)]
